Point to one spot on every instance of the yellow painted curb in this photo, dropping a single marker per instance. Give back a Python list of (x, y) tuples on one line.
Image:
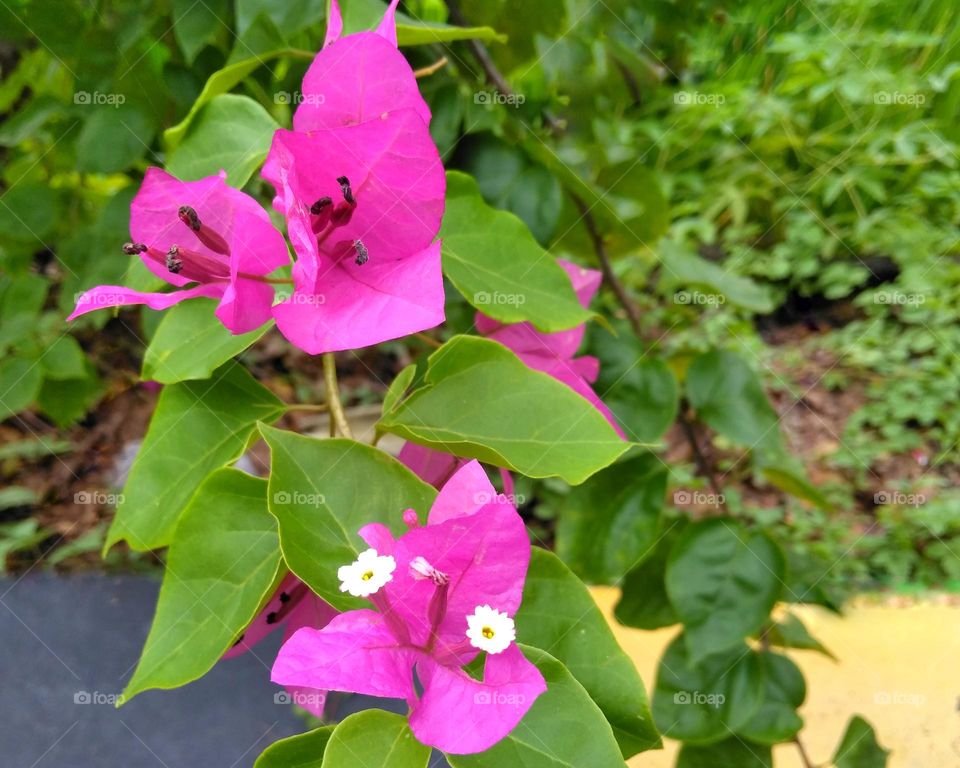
[(899, 667)]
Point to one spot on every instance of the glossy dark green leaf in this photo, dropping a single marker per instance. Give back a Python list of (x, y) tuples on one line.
[(612, 521), (643, 602), (559, 615), (197, 427), (323, 491), (191, 343), (480, 401), (859, 747), (563, 729), (703, 703), (723, 582), (729, 397), (305, 750), (494, 261), (232, 133), (729, 753), (224, 560), (375, 738), (790, 632), (784, 691)]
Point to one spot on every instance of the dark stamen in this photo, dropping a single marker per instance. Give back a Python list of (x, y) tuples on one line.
[(132, 249), (174, 262), (189, 217), (271, 618), (284, 597), (322, 203), (344, 183), (362, 254), (238, 641)]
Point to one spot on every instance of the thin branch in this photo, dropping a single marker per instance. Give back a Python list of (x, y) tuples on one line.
[(338, 419), (688, 426), (429, 70), (804, 757)]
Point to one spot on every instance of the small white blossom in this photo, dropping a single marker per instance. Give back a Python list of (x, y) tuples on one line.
[(421, 569), (367, 574), (490, 630)]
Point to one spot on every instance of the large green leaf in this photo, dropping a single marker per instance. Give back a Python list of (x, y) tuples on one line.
[(784, 691), (375, 738), (728, 396), (706, 702), (323, 491), (232, 133), (190, 343), (643, 602), (495, 262), (559, 615), (359, 15), (305, 750), (196, 24), (563, 729), (21, 299), (113, 137), (197, 427), (20, 381), (723, 582), (859, 747), (790, 632), (639, 389), (479, 400), (729, 753), (612, 521), (223, 561)]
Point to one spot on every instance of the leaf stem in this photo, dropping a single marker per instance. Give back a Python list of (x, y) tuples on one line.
[(338, 419), (804, 757), (321, 408), (430, 69)]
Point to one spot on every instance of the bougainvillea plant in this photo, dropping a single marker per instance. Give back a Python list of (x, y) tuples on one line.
[(412, 577)]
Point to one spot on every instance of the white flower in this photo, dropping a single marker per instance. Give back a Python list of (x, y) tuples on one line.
[(421, 569), (490, 630), (367, 574)]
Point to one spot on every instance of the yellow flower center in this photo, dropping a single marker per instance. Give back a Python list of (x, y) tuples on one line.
[(367, 576), (487, 633)]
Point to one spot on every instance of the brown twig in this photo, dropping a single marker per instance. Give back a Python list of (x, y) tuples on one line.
[(429, 70), (338, 419), (804, 757)]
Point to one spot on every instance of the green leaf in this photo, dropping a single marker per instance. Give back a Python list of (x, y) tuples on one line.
[(643, 602), (197, 427), (559, 615), (66, 400), (375, 738), (28, 213), (640, 390), (190, 343), (684, 268), (632, 195), (196, 24), (723, 582), (20, 381), (220, 82), (563, 729), (480, 401), (21, 299), (705, 702), (359, 15), (305, 750), (787, 473), (232, 133), (859, 747), (729, 753), (494, 261), (315, 486), (223, 562), (17, 496), (64, 359), (791, 633), (113, 138), (27, 121), (728, 396), (612, 521), (777, 720)]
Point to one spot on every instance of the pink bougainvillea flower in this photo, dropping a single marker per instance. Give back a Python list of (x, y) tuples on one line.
[(357, 78), (292, 607), (201, 232), (447, 591), (363, 205), (553, 353)]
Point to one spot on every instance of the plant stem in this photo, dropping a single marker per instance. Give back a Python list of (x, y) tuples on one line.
[(429, 70), (321, 408), (429, 340), (804, 757), (338, 420)]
